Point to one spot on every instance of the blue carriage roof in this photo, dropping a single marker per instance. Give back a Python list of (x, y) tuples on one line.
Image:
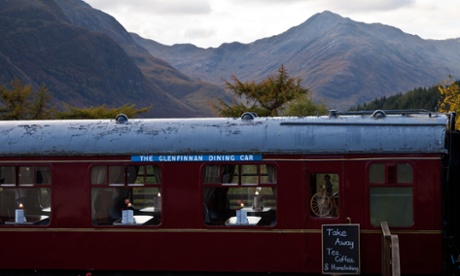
[(334, 134)]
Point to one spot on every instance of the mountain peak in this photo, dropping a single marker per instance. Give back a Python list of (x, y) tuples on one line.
[(326, 18), (317, 25)]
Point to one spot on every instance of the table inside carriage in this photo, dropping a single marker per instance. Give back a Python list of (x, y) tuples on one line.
[(252, 210), (150, 209), (29, 220), (252, 221), (138, 220)]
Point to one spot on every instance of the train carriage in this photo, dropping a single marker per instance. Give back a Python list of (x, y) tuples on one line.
[(245, 194)]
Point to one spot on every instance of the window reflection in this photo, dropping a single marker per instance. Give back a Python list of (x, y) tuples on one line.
[(324, 194), (391, 194), (25, 192), (231, 190), (116, 189)]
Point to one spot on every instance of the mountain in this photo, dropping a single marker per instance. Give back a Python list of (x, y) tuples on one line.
[(341, 61), (86, 58)]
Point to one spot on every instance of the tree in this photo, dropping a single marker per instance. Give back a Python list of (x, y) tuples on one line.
[(450, 97), (270, 97), (22, 103), (100, 112), (304, 106), (418, 98)]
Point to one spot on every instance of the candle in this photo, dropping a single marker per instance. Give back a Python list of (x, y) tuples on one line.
[(157, 202), (257, 205)]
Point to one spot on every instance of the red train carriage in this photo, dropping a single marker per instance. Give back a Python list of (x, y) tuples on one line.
[(219, 194)]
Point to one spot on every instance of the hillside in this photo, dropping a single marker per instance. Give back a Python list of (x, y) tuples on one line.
[(342, 61), (86, 58)]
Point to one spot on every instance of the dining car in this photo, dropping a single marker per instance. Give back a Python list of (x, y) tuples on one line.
[(247, 194)]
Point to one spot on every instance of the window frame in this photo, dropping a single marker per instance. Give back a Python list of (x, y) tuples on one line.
[(239, 184), (107, 176), (337, 200), (34, 196), (104, 185), (391, 182)]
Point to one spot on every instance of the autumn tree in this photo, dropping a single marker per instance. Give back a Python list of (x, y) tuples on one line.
[(450, 97), (21, 102), (270, 97), (100, 112)]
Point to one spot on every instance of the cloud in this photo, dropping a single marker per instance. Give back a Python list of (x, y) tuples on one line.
[(198, 33), (209, 23), (359, 6), (181, 7), (160, 7)]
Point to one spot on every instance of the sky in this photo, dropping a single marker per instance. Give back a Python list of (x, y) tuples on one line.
[(210, 23)]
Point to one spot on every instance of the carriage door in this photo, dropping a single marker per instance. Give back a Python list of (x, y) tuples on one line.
[(323, 191), (323, 205)]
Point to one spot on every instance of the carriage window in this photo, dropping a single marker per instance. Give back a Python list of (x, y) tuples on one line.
[(126, 195), (324, 197), (391, 194), (239, 195), (25, 195)]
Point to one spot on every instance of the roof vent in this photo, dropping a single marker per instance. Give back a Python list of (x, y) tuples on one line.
[(121, 118), (379, 114), (248, 116), (333, 113)]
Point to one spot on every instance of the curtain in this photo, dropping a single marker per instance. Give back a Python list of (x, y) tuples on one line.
[(116, 175), (98, 175), (271, 174), (156, 174), (43, 175)]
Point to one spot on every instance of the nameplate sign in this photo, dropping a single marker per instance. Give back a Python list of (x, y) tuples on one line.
[(341, 251), (197, 158)]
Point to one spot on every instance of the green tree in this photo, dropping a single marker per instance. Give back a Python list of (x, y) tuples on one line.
[(100, 112), (270, 97), (303, 105), (20, 102), (419, 98)]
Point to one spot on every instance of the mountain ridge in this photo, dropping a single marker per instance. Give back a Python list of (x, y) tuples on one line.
[(342, 61), (87, 58)]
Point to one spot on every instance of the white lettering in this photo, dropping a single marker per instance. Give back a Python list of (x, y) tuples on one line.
[(247, 157), (196, 158), (344, 259), (344, 268), (350, 244), (146, 158), (332, 252), (336, 232)]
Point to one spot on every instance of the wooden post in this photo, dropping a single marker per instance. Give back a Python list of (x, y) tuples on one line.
[(386, 240), (390, 252), (395, 265)]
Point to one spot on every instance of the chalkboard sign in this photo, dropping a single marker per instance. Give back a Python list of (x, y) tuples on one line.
[(341, 249)]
